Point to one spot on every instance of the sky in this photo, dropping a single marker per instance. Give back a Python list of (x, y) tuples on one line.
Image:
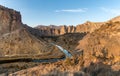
[(64, 12)]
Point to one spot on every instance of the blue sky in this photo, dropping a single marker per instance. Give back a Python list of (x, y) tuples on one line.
[(64, 12)]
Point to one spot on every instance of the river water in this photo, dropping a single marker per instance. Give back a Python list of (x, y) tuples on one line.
[(67, 54)]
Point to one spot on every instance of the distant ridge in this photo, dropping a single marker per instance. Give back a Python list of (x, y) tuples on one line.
[(115, 19)]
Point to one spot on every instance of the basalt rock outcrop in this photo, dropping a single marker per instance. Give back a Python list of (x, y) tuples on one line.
[(17, 39), (10, 20), (52, 30)]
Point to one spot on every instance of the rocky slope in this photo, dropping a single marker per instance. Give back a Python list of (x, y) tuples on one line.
[(100, 56), (17, 39), (20, 42), (95, 46), (116, 19), (102, 45), (88, 27)]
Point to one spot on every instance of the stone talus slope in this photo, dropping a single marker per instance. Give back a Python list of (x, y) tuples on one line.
[(102, 45), (17, 40)]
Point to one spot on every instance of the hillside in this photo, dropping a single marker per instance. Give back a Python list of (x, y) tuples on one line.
[(17, 39), (102, 45), (94, 46)]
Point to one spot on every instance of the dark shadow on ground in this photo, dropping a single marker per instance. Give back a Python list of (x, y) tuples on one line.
[(68, 41)]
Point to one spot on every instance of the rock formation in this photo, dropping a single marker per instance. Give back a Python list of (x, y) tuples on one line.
[(17, 39), (116, 19), (10, 20), (102, 45), (97, 45), (87, 27), (53, 30)]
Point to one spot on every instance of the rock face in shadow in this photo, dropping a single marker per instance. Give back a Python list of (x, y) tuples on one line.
[(17, 39)]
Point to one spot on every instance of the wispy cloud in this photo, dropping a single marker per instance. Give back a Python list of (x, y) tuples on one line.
[(112, 11), (72, 10)]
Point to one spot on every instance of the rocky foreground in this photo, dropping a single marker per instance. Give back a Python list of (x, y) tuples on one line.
[(95, 47)]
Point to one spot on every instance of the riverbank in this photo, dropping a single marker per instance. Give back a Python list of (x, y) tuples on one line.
[(16, 63)]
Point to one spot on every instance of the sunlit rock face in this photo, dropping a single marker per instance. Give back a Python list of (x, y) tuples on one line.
[(53, 30), (14, 38), (10, 20), (87, 27), (103, 44), (116, 19)]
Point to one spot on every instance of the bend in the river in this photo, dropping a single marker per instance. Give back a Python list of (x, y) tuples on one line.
[(67, 54)]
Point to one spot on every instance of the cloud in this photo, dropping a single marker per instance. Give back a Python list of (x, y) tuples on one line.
[(72, 10), (112, 11)]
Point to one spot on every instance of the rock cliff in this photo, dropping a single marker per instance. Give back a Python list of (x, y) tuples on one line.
[(97, 45), (17, 39), (10, 20), (87, 27), (53, 30)]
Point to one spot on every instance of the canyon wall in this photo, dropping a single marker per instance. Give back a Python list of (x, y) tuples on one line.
[(53, 30), (18, 39)]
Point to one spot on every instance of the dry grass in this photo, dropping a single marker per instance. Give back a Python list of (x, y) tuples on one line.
[(16, 66), (70, 67)]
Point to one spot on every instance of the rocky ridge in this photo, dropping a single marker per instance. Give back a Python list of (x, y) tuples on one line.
[(102, 45), (87, 27), (53, 30), (115, 19)]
